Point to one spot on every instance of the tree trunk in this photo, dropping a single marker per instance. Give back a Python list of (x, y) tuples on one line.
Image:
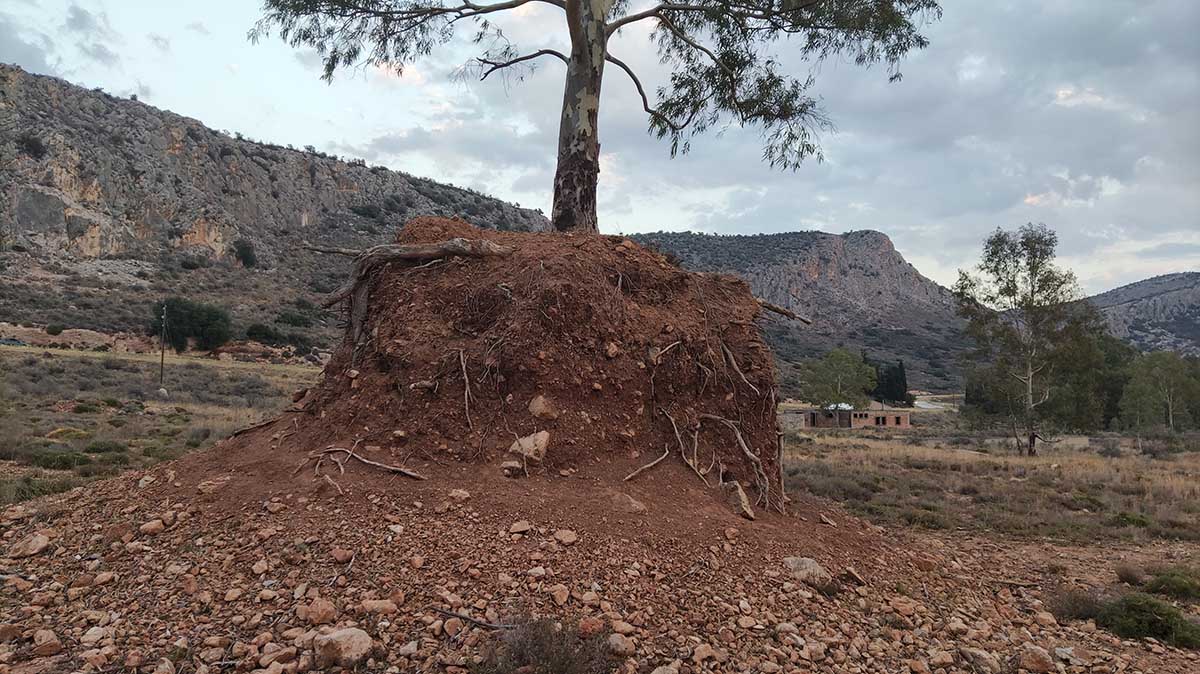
[(578, 144)]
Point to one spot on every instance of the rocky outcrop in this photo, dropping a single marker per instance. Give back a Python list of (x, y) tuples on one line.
[(90, 175), (1160, 313), (856, 287)]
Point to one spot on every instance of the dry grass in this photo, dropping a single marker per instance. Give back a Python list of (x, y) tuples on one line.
[(70, 416), (1071, 493)]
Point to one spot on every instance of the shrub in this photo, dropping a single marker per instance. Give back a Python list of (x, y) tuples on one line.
[(1132, 575), (543, 647), (32, 486), (104, 447), (59, 460), (85, 408), (243, 250), (1137, 615), (31, 145), (209, 325), (1176, 582), (367, 211), (1074, 604), (55, 329), (260, 332)]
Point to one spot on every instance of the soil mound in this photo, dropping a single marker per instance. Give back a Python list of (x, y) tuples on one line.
[(569, 349)]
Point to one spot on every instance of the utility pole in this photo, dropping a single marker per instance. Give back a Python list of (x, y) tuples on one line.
[(162, 343)]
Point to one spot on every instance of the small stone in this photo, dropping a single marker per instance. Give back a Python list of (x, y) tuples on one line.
[(341, 555), (738, 500), (532, 447), (627, 504), (233, 594), (621, 645), (622, 627), (153, 527), (260, 567), (1045, 619), (460, 494), (807, 570), (590, 626), (542, 408), (452, 626), (560, 593), (46, 643), (321, 612), (345, 648), (380, 606), (29, 546), (520, 527), (1035, 659), (566, 536)]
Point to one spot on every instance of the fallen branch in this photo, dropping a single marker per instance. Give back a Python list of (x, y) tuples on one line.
[(351, 455), (639, 471), (782, 312), (474, 621)]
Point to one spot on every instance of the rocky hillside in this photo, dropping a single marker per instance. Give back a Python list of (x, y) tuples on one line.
[(105, 203), (1159, 313), (857, 289)]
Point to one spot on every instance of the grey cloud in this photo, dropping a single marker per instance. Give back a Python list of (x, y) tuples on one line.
[(1170, 250), (82, 21), (198, 27), (100, 53), (160, 41), (34, 54), (309, 58)]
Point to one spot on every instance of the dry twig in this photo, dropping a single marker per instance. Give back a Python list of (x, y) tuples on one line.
[(639, 471)]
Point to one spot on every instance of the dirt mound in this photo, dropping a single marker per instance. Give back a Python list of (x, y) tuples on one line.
[(578, 349)]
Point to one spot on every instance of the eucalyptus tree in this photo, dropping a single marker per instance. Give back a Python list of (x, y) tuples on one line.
[(724, 61), (1022, 309)]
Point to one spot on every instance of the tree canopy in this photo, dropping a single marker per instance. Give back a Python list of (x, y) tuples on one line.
[(1022, 309), (729, 61), (842, 377)]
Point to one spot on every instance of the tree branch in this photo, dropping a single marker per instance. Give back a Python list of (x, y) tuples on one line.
[(499, 65), (642, 92)]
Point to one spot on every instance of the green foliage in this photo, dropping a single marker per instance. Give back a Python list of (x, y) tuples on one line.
[(59, 460), (209, 325), (541, 646), (1175, 582), (243, 250), (891, 382), (55, 329), (1137, 616), (104, 447), (841, 377), (722, 62), (1161, 391), (1022, 311)]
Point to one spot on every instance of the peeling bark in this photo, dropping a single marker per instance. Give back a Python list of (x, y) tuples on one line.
[(578, 143)]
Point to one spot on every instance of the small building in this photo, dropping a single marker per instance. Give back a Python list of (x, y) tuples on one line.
[(880, 417)]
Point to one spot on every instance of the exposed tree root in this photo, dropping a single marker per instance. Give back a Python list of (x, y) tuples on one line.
[(761, 483), (331, 451), (639, 471), (733, 364)]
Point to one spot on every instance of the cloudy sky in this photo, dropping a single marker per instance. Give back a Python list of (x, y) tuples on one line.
[(1082, 114)]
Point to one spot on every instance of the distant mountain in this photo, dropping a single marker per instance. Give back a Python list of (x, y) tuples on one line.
[(1160, 313), (108, 204), (857, 289)]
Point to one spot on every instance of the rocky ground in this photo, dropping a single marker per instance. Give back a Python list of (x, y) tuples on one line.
[(165, 572)]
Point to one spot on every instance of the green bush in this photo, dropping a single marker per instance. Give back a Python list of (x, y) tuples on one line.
[(26, 487), (1179, 583), (209, 325), (59, 460), (85, 408), (55, 329), (104, 447), (1137, 615)]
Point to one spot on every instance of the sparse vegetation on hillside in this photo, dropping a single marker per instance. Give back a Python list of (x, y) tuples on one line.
[(67, 417), (1074, 494)]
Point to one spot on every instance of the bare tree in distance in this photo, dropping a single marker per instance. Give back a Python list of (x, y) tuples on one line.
[(722, 56)]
